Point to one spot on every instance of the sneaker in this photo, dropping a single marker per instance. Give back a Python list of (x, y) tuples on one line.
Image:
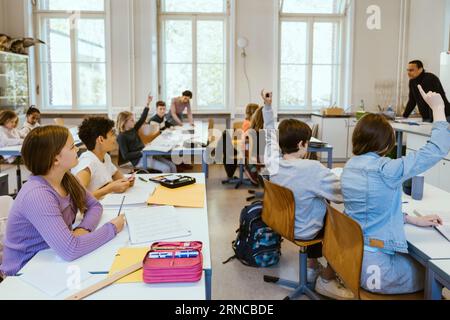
[(312, 274), (252, 174), (333, 289)]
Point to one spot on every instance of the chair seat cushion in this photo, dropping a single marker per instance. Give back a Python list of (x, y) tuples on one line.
[(366, 295)]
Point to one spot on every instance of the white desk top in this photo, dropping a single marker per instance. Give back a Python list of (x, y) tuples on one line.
[(423, 129), (427, 240), (13, 288), (442, 266), (100, 260), (172, 140)]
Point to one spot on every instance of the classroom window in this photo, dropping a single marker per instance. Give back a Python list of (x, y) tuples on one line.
[(310, 54), (194, 42), (72, 65)]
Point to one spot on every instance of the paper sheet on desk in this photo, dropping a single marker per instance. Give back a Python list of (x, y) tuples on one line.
[(133, 196), (154, 224), (126, 257), (53, 279), (191, 196), (444, 229)]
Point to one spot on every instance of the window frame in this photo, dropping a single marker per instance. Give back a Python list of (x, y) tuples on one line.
[(39, 16), (310, 20), (194, 17)]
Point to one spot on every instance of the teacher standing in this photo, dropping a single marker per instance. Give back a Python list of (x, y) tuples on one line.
[(177, 107), (429, 82)]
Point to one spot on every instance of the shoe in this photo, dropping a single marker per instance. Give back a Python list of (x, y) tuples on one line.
[(252, 174), (312, 274), (333, 289)]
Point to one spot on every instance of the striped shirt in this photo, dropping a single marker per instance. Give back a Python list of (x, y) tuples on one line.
[(41, 219)]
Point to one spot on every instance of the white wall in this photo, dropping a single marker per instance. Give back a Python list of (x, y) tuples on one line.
[(375, 51), (254, 22), (425, 43)]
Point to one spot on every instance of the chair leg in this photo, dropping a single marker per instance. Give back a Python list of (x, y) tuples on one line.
[(300, 288)]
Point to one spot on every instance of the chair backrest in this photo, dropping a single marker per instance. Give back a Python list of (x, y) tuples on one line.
[(343, 247), (5, 205), (279, 209), (147, 133)]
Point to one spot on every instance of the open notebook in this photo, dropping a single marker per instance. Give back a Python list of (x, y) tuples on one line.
[(155, 224), (136, 195)]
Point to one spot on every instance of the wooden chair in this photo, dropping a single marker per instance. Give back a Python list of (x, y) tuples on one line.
[(279, 214), (343, 247)]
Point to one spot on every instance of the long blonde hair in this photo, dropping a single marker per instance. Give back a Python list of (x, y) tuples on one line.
[(122, 118), (39, 150), (257, 122)]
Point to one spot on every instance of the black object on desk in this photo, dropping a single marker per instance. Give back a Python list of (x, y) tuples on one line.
[(174, 181)]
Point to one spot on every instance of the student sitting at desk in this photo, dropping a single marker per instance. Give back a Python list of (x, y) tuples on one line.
[(159, 119), (372, 190), (9, 135), (32, 122), (95, 169), (131, 146), (311, 183), (249, 112), (45, 208)]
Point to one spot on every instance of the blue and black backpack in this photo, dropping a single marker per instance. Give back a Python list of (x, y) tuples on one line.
[(256, 244)]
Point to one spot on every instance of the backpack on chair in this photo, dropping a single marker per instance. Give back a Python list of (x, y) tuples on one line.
[(256, 244)]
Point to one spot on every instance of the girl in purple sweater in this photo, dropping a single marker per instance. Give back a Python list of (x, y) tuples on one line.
[(46, 207)]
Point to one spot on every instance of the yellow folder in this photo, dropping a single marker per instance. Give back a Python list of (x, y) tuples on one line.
[(192, 196), (125, 258)]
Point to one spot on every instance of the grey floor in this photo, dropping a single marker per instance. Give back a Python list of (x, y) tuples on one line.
[(234, 280)]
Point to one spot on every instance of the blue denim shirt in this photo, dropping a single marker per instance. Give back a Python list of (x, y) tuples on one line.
[(372, 188)]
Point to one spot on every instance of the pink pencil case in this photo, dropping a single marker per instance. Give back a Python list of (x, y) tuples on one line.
[(173, 262)]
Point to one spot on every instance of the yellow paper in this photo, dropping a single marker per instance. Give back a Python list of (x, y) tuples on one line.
[(192, 196), (125, 258)]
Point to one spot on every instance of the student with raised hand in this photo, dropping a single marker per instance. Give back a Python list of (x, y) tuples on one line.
[(46, 207), (372, 190), (95, 169), (311, 183), (32, 122), (249, 112), (131, 146)]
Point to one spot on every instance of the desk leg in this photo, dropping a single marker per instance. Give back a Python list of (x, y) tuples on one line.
[(399, 144), (330, 159), (205, 168), (145, 161), (19, 176), (208, 280), (433, 289)]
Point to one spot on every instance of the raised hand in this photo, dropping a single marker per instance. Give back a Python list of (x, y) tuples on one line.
[(267, 97), (436, 103)]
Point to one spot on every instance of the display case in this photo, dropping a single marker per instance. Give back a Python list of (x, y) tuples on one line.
[(14, 82)]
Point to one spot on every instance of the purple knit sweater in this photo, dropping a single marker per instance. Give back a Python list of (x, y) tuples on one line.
[(40, 219)]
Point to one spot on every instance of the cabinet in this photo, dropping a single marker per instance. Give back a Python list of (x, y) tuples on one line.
[(439, 175), (336, 132), (14, 83)]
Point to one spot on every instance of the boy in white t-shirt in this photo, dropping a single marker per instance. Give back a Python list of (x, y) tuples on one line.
[(95, 170)]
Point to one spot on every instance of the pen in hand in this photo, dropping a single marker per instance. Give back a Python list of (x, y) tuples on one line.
[(142, 179), (120, 209)]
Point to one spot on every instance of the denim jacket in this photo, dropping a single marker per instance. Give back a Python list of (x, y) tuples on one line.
[(372, 189)]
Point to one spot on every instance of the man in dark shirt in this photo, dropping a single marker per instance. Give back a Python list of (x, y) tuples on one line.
[(159, 119), (429, 82)]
